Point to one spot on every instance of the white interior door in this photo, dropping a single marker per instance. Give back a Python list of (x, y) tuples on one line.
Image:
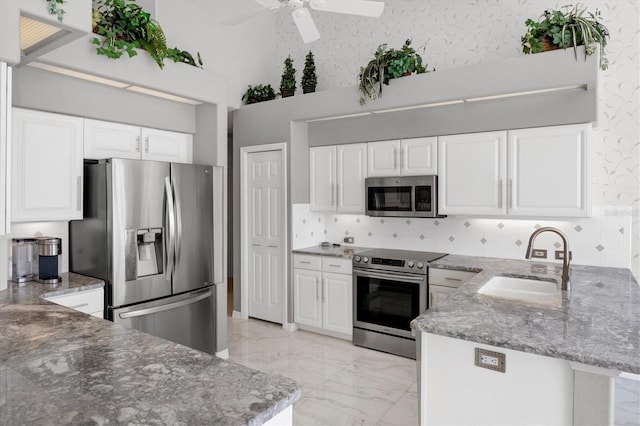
[(265, 235)]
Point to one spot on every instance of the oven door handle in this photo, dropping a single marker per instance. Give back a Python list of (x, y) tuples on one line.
[(394, 277)]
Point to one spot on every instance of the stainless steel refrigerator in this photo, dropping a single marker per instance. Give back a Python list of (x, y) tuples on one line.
[(148, 233)]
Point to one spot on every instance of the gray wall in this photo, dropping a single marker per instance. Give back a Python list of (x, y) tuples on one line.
[(42, 90), (291, 120)]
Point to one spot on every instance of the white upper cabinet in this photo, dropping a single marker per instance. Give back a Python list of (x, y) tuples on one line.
[(322, 178), (161, 145), (419, 156), (104, 139), (406, 157), (336, 180), (383, 158), (539, 172), (471, 174), (47, 166), (351, 172), (549, 171)]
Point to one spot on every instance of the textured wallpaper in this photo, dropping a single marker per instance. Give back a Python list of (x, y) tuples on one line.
[(455, 33)]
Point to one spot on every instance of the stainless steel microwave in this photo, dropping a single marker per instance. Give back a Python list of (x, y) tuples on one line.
[(407, 196)]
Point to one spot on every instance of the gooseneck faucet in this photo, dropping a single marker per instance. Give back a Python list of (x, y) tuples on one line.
[(566, 257)]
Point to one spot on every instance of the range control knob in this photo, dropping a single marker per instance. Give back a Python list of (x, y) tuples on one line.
[(410, 264), (356, 258), (365, 259), (420, 265)]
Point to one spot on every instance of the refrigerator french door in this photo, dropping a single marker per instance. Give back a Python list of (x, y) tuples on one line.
[(148, 232)]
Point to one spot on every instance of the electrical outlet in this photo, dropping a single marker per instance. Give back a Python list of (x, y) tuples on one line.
[(539, 253), (491, 360), (560, 255), (348, 240)]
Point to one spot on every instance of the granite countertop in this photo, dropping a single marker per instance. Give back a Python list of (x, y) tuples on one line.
[(60, 366), (340, 251), (597, 324)]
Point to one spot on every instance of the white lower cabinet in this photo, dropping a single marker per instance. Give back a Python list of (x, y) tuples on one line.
[(90, 301), (103, 139), (323, 294), (47, 166), (443, 282)]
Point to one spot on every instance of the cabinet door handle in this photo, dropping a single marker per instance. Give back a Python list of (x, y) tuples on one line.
[(317, 290), (138, 143), (333, 194), (146, 144), (500, 193), (337, 194), (79, 196), (82, 305), (323, 288), (401, 158), (395, 158), (430, 300), (510, 193)]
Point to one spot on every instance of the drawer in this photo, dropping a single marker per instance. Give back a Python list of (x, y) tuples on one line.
[(90, 301), (306, 261), (338, 265), (449, 277)]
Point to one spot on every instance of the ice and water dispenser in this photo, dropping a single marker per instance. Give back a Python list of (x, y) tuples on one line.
[(144, 253)]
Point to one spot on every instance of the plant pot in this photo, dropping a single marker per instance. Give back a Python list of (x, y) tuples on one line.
[(548, 44), (407, 73), (287, 92), (308, 89)]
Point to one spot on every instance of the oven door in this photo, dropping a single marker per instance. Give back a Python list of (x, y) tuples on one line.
[(388, 302)]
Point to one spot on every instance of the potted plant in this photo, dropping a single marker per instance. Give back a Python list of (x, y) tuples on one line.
[(309, 78), (560, 29), (126, 27), (386, 65), (288, 81), (258, 93)]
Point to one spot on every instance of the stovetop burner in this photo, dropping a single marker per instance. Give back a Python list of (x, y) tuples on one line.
[(415, 262)]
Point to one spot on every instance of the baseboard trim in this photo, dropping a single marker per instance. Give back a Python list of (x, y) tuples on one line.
[(290, 326), (238, 314), (223, 354)]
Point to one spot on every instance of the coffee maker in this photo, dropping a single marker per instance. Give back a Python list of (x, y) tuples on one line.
[(49, 248), (24, 256)]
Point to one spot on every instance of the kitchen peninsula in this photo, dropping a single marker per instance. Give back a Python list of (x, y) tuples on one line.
[(61, 366), (560, 360)]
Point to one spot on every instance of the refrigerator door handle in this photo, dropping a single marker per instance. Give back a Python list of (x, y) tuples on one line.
[(178, 220), (167, 307), (171, 224)]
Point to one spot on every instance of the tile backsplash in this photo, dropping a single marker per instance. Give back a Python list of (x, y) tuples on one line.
[(601, 240)]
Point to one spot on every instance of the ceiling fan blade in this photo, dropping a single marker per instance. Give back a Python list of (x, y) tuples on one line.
[(306, 26), (235, 20), (352, 7), (273, 4)]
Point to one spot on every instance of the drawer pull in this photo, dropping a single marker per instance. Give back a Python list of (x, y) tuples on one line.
[(82, 305), (336, 266), (271, 246), (306, 262), (453, 279)]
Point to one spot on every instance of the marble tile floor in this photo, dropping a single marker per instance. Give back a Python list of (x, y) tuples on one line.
[(343, 384)]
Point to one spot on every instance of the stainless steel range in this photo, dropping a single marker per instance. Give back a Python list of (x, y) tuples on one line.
[(390, 289)]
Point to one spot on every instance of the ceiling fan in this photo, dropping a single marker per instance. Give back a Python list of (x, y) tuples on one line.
[(302, 16)]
